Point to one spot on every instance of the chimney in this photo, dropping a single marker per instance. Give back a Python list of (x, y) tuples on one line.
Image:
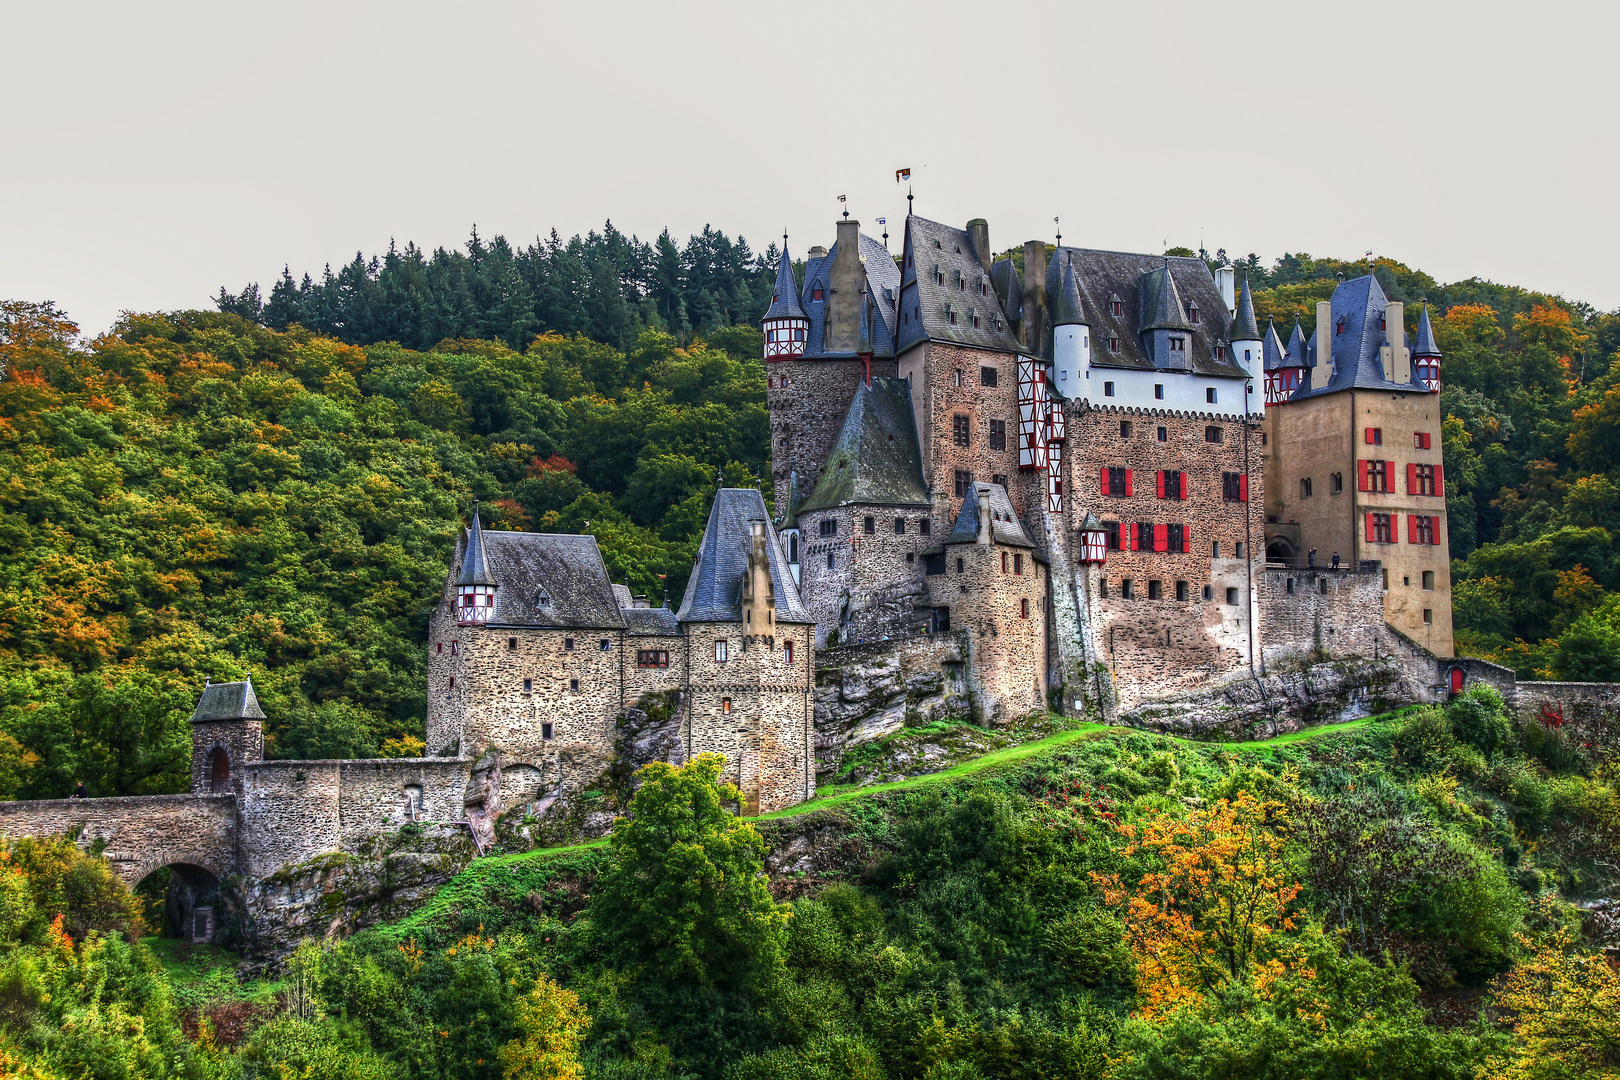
[(758, 603), (846, 281), (979, 235), (1034, 328), (1226, 282), (985, 536), (1399, 366), (818, 252), (1322, 370)]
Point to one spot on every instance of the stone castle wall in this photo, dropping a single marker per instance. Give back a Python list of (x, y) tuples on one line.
[(1588, 713), (997, 595), (875, 583), (1321, 612), (141, 832), (936, 400), (807, 401)]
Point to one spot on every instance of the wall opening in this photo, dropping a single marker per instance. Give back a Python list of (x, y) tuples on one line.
[(219, 770), (184, 902)]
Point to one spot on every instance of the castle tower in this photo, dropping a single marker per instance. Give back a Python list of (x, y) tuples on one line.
[(475, 589), (1426, 355), (1071, 335), (752, 666), (1244, 337), (786, 326), (227, 732)]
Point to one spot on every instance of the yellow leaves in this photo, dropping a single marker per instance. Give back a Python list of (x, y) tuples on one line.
[(1563, 1008), (412, 953), (1215, 893), (1468, 324), (554, 1025)]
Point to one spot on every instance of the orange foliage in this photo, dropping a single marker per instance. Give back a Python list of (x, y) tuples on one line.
[(1209, 909), (554, 463), (1470, 324)]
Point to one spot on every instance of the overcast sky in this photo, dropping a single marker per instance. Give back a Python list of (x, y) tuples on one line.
[(153, 152)]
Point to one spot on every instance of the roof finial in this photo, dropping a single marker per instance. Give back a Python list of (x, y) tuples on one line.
[(908, 200), (1059, 225)]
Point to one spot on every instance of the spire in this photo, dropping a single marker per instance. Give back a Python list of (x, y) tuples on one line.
[(1244, 328), (1067, 309), (474, 569), (1272, 349), (1425, 345), (1297, 354), (1164, 304), (785, 297)]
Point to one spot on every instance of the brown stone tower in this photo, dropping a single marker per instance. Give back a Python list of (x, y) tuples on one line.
[(227, 732)]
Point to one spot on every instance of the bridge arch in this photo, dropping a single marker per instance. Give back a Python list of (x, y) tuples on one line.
[(183, 899)]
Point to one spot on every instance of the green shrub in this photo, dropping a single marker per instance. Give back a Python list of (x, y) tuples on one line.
[(1089, 943), (1425, 740), (1530, 792), (1479, 718), (1552, 748)]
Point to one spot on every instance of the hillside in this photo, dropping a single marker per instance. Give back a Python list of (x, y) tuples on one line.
[(1413, 896), (272, 489)]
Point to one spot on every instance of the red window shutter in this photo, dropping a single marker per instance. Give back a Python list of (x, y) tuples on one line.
[(1127, 481), (1411, 529), (1439, 480), (1161, 537), (1434, 531), (1160, 475), (1368, 435), (1133, 536), (1243, 487), (1105, 480), (1361, 482), (1183, 485), (1411, 478), (1370, 532), (1426, 438)]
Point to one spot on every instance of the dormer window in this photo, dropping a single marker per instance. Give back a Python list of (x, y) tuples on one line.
[(1220, 352), (939, 276), (1381, 325), (815, 294), (1192, 314), (1116, 306), (1113, 343), (984, 290), (975, 322), (1341, 324), (951, 315), (1178, 344)]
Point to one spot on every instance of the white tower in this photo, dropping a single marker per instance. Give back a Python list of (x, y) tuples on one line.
[(1245, 340)]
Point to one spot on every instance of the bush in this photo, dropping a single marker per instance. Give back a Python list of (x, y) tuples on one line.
[(1479, 718), (1552, 748), (1530, 792), (1089, 943), (1425, 741)]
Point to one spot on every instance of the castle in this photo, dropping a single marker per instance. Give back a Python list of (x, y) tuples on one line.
[(1049, 477)]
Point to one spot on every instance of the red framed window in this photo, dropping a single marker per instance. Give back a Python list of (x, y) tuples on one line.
[(1116, 482), (1374, 476), (1420, 440), (1375, 436), (1380, 528), (1422, 529)]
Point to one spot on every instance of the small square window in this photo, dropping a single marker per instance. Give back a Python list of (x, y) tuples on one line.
[(1108, 389), (911, 556), (1212, 434), (999, 478), (568, 644), (545, 731), (1428, 580), (1209, 395), (987, 376), (511, 643), (1154, 590), (528, 686), (1164, 434), (1209, 592), (1158, 390), (573, 684), (899, 526), (1232, 597), (1428, 616), (869, 526), (1124, 429)]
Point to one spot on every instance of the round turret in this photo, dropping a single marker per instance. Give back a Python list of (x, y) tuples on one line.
[(475, 589), (787, 328)]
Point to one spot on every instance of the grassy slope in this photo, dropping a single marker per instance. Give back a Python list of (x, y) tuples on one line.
[(541, 869)]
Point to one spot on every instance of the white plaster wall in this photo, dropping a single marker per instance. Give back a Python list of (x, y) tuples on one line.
[(1182, 392)]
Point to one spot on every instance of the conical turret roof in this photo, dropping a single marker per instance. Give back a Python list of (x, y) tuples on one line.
[(1297, 354), (1244, 327), (1425, 345), (1163, 307), (1067, 309), (1272, 349), (785, 298), (474, 567)]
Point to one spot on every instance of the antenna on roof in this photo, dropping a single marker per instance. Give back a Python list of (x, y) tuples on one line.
[(1059, 225)]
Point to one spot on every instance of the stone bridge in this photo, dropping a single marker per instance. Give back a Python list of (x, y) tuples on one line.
[(138, 834)]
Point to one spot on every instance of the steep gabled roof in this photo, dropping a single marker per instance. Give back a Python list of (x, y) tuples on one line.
[(1298, 351), (546, 580), (1005, 527), (926, 301), (875, 459), (714, 591), (1361, 304), (474, 567), (1161, 302), (1103, 275), (1425, 345), (1008, 288), (1272, 347), (1244, 327), (228, 701), (785, 299)]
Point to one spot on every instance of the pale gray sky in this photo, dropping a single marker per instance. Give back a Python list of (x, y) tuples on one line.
[(152, 152)]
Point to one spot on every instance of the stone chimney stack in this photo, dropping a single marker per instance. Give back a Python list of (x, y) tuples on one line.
[(1322, 368), (1398, 368), (847, 279), (985, 536), (1033, 331), (758, 600), (979, 233)]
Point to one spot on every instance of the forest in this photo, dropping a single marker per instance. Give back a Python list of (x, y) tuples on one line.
[(272, 488), (1406, 897)]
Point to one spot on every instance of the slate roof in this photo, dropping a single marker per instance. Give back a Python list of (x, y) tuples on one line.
[(1298, 351), (1425, 345), (474, 567), (1244, 328), (882, 286), (623, 596), (875, 458), (925, 304), (1004, 525), (1009, 289), (228, 701), (565, 569), (1161, 302), (1102, 275), (1361, 303), (1067, 307), (785, 300), (714, 591), (651, 622), (1271, 347)]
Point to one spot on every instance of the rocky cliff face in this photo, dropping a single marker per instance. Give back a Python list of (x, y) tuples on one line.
[(867, 692)]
